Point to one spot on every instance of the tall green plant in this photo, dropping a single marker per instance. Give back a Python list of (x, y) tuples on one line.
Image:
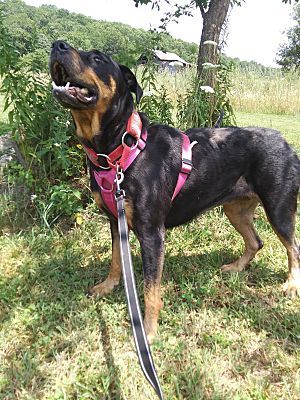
[(222, 94), (155, 102), (201, 105), (193, 106), (43, 132)]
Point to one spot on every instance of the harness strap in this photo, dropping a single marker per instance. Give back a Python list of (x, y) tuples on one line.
[(134, 125), (186, 163), (105, 178), (141, 344), (134, 129)]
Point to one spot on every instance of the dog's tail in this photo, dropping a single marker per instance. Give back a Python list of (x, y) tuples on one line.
[(219, 120)]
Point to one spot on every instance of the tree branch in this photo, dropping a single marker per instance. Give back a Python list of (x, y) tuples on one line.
[(202, 9)]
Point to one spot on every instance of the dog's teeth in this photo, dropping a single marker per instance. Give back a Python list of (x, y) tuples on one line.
[(58, 88), (81, 94)]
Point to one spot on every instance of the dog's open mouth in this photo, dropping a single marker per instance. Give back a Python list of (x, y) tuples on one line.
[(71, 93)]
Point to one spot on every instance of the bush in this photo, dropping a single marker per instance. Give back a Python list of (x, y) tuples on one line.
[(43, 132)]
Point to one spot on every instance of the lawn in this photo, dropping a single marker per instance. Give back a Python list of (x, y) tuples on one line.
[(289, 125), (221, 336)]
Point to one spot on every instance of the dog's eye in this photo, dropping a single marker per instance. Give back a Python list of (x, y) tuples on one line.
[(97, 59)]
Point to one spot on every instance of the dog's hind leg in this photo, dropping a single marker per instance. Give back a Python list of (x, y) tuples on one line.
[(282, 216), (106, 287), (292, 284), (152, 246), (240, 213)]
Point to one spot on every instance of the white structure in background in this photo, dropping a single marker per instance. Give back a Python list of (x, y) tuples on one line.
[(165, 60)]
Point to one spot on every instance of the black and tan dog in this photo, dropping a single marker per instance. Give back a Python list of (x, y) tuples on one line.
[(234, 167)]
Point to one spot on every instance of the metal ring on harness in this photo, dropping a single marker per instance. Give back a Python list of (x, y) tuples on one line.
[(123, 141), (104, 156)]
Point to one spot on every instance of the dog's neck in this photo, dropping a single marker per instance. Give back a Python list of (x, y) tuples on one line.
[(100, 130)]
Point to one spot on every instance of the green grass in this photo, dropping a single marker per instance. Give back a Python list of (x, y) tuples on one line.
[(288, 125), (274, 94), (4, 125), (220, 337)]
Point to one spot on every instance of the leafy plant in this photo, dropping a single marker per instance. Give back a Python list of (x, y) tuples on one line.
[(193, 106), (155, 102), (289, 53), (201, 105), (43, 132), (222, 96)]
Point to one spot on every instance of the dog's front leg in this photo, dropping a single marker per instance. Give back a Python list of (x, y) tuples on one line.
[(106, 287), (152, 246)]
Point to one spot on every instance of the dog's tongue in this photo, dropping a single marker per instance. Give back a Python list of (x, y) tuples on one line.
[(81, 94), (72, 90), (84, 99)]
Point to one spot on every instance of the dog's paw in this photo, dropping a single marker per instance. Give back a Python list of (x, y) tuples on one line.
[(151, 338), (151, 332), (232, 267), (291, 288), (102, 289)]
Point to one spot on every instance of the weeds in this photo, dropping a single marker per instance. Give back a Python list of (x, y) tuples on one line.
[(276, 93), (43, 132)]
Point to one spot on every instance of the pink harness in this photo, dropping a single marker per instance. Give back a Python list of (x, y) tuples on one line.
[(123, 156)]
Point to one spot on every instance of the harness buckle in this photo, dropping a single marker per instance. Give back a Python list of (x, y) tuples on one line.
[(119, 176), (186, 166)]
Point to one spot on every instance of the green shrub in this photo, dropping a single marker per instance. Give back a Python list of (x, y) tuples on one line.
[(43, 131), (200, 105)]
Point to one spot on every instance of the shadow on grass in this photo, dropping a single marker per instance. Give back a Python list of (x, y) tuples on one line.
[(61, 282), (56, 286), (48, 298), (114, 388)]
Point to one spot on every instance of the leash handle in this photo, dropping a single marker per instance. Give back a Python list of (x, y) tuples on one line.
[(140, 339)]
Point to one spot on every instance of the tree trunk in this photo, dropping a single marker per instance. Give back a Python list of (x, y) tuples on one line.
[(213, 20)]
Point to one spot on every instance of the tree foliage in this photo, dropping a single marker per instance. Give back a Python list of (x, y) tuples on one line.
[(214, 14), (289, 54), (34, 29)]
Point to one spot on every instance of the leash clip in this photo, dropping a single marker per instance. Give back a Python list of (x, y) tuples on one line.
[(119, 179)]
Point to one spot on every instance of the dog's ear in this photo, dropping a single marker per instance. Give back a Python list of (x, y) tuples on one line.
[(132, 83)]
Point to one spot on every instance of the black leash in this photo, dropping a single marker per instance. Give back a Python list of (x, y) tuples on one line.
[(140, 339)]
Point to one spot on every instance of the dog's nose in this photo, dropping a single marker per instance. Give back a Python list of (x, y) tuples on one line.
[(60, 46)]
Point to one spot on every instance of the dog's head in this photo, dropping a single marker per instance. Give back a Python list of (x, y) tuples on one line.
[(90, 80)]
